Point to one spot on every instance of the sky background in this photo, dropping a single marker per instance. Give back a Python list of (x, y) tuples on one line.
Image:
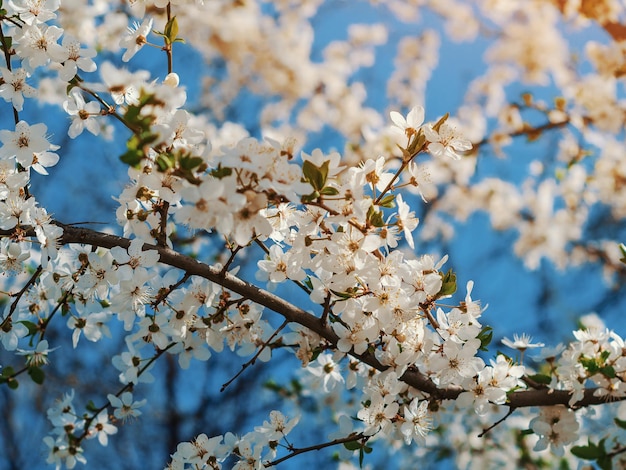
[(545, 303)]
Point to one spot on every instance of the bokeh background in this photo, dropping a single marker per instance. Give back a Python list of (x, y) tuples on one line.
[(545, 302)]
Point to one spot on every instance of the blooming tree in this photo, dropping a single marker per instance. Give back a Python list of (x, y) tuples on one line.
[(381, 342)]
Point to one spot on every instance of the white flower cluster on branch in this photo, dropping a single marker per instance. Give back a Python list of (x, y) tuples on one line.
[(383, 330)]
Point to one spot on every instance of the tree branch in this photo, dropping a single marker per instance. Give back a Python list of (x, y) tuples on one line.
[(294, 314)]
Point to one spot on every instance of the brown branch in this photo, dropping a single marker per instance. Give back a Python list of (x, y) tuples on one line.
[(294, 314), (295, 451), (527, 130), (19, 296)]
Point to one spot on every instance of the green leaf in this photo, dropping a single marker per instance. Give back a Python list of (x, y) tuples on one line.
[(375, 217), (588, 452), (13, 384), (316, 353), (310, 197), (605, 463), (485, 336), (620, 423), (389, 201), (590, 364), (540, 378), (439, 123), (448, 286), (314, 175), (171, 30), (8, 40), (329, 191), (352, 445), (221, 172), (37, 374), (420, 140), (343, 295), (132, 158), (608, 371), (296, 385), (189, 163), (91, 407), (165, 161), (7, 371), (405, 153), (33, 329)]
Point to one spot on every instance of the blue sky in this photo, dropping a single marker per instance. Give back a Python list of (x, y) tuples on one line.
[(544, 303)]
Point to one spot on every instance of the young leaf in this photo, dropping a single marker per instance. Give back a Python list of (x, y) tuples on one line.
[(448, 286), (314, 175), (329, 191), (171, 30), (33, 329), (540, 378), (352, 445), (388, 201), (485, 336), (91, 407), (37, 374), (439, 123)]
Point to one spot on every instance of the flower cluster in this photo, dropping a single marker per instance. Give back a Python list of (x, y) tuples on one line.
[(384, 331)]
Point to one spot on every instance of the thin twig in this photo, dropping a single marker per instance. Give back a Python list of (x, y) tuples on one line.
[(295, 451), (501, 420), (19, 295), (256, 356)]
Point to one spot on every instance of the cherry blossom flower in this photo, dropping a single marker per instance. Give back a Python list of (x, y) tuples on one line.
[(410, 125), (378, 415), (407, 221), (281, 266), (25, 141), (521, 343), (71, 57), (123, 85), (61, 453), (83, 114), (125, 407), (37, 44), (129, 364), (327, 371), (12, 330), (277, 427), (39, 356), (556, 426), (201, 450), (136, 38), (133, 259), (446, 142), (92, 325), (15, 88), (458, 362), (34, 11), (12, 256), (155, 330), (418, 422), (101, 428)]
